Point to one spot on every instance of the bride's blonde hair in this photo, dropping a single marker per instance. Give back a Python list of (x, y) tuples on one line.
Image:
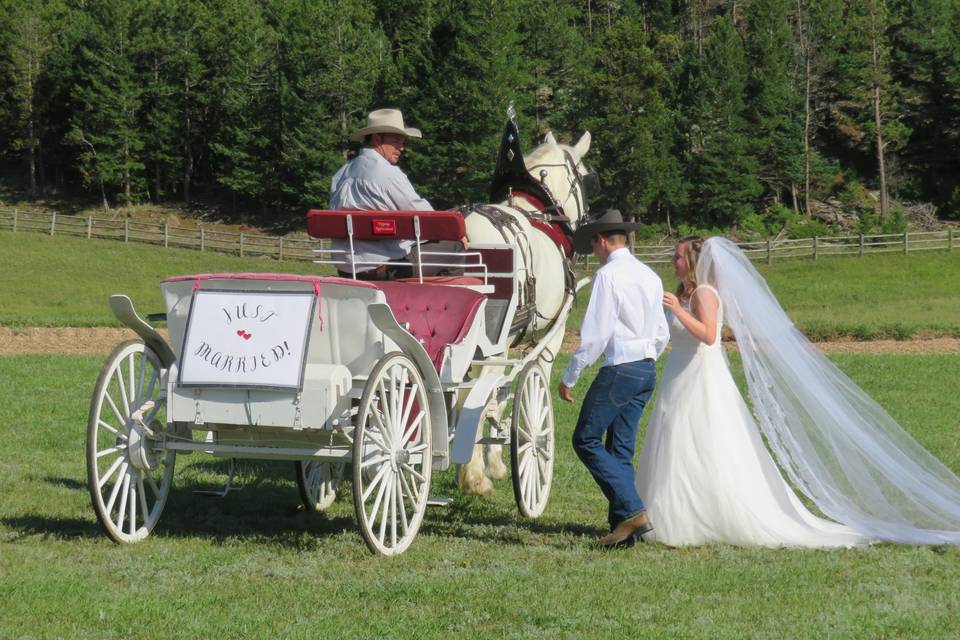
[(689, 283)]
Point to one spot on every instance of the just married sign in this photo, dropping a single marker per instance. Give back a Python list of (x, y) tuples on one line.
[(246, 339)]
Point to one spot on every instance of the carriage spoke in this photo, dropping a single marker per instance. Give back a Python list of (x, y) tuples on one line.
[(408, 407), (410, 489), (376, 480), (144, 509), (105, 452), (133, 507), (379, 417), (412, 429), (153, 486), (154, 378), (113, 406), (524, 448), (414, 472), (386, 509), (109, 427), (393, 510), (106, 476), (131, 362), (118, 374), (124, 494), (140, 380), (372, 461), (404, 525)]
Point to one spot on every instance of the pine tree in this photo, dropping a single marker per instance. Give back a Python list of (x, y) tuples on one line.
[(108, 97), (775, 111), (636, 135), (721, 169)]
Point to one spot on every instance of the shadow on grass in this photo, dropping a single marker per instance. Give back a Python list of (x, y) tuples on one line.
[(265, 507)]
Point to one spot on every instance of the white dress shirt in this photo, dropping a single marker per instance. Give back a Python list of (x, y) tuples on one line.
[(624, 318), (370, 183)]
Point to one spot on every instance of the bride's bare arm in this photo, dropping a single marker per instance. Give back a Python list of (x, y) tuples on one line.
[(701, 320)]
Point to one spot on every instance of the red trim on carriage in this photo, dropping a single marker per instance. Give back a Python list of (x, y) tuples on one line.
[(382, 225), (315, 280)]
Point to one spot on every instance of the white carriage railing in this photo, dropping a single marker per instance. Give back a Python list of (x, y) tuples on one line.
[(299, 246)]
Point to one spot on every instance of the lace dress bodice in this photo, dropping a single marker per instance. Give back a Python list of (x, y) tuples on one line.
[(683, 341)]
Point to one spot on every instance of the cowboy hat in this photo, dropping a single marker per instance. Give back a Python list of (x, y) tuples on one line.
[(609, 220), (385, 121)]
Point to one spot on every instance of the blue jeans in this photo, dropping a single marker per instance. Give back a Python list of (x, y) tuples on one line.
[(613, 406)]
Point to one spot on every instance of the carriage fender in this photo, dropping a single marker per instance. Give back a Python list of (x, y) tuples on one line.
[(468, 423), (122, 307), (384, 320)]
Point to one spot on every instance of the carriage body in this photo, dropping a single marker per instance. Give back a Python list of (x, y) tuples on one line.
[(390, 380)]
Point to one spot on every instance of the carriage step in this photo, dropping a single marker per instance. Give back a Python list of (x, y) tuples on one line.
[(493, 440)]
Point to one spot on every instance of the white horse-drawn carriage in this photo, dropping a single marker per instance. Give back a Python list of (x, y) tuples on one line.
[(377, 382)]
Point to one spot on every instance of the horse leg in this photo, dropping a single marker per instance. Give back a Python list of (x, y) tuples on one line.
[(470, 476), (495, 468)]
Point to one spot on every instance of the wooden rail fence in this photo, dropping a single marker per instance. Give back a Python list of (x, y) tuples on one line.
[(299, 246)]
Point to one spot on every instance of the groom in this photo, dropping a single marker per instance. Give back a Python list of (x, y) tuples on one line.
[(624, 321)]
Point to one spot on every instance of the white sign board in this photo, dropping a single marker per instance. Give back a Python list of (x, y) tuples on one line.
[(246, 339)]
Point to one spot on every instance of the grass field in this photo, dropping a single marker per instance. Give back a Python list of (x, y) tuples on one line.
[(253, 565), (61, 281)]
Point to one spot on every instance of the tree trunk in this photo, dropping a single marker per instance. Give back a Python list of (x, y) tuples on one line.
[(877, 117), (807, 113), (187, 147)]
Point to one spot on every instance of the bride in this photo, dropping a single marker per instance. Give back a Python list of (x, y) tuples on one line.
[(705, 472)]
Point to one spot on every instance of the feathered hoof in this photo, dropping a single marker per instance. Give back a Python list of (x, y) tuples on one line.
[(473, 482), (495, 469)]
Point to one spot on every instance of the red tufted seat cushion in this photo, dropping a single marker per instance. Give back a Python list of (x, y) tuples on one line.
[(436, 315)]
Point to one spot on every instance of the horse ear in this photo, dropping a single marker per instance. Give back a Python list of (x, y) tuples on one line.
[(549, 139), (583, 145)]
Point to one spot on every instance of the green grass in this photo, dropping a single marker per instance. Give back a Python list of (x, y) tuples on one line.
[(880, 296), (62, 281), (254, 566)]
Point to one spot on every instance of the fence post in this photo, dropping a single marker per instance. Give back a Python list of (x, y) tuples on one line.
[(281, 249), (814, 247), (241, 244), (201, 237), (89, 227), (949, 238), (906, 246), (769, 251), (53, 222), (126, 229), (15, 213), (861, 245), (166, 234)]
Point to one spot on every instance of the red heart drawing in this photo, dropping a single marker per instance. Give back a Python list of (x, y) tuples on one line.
[(247, 336), (240, 332)]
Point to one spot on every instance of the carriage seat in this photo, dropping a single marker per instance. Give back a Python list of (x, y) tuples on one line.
[(435, 318), (386, 225)]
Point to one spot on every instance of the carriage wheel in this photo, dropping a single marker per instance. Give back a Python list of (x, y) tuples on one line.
[(392, 457), (127, 475), (318, 483), (532, 441)]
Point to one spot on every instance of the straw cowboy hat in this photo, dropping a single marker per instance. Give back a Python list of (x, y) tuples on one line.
[(609, 220), (385, 121)]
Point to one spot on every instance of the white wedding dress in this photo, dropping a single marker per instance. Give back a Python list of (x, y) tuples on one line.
[(705, 474)]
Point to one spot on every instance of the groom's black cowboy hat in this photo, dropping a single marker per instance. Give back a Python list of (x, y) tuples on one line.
[(609, 220)]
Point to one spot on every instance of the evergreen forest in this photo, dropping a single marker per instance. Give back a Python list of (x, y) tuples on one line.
[(747, 115)]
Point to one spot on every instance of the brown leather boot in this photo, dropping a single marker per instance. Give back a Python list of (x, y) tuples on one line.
[(637, 525)]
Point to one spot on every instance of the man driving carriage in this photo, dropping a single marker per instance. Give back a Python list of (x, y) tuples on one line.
[(372, 181)]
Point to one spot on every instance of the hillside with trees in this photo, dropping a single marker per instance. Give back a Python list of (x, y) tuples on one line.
[(761, 116)]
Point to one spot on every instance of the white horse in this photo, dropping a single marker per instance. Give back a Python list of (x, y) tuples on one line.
[(547, 197)]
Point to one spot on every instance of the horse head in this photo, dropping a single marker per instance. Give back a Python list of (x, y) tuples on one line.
[(560, 171)]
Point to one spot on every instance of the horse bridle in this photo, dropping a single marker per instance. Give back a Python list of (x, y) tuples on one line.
[(576, 185)]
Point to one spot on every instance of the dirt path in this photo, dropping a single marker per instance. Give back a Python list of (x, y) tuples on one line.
[(101, 340)]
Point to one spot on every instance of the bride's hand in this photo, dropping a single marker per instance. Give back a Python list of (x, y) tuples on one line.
[(671, 302)]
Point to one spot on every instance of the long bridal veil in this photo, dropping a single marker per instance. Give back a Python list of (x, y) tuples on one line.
[(838, 446)]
